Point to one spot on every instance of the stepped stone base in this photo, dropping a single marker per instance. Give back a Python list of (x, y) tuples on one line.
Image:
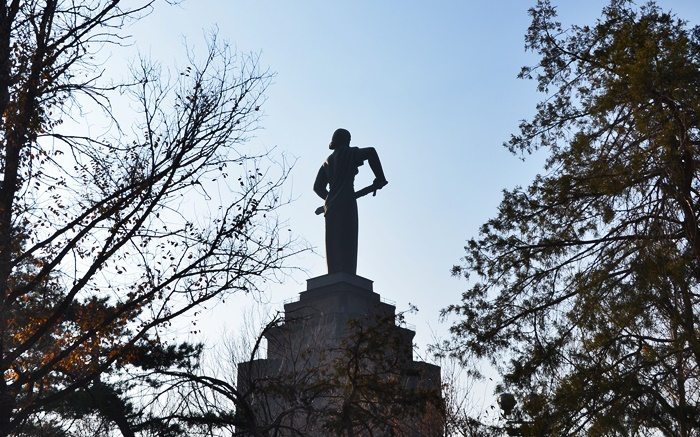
[(337, 334)]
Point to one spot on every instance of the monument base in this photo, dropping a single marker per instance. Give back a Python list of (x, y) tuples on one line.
[(340, 347)]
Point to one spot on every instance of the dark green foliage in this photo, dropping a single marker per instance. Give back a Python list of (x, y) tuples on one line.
[(588, 278)]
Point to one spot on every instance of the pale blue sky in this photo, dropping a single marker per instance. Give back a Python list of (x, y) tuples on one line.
[(432, 85)]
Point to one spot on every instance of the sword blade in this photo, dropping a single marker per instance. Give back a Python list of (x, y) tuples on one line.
[(360, 193)]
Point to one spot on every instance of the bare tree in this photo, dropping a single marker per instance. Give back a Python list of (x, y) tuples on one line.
[(106, 239), (465, 414)]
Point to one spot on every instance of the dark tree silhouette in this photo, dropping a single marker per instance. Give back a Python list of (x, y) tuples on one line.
[(586, 288), (106, 239)]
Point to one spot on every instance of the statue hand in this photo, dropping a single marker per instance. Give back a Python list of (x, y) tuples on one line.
[(378, 184)]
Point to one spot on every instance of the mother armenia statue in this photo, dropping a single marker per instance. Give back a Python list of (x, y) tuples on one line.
[(340, 209)]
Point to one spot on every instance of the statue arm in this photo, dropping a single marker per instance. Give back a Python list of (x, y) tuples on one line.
[(320, 183), (370, 155)]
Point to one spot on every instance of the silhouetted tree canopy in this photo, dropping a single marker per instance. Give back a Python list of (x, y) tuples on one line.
[(113, 223), (584, 287)]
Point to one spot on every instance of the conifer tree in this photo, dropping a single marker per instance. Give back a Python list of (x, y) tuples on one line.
[(584, 287)]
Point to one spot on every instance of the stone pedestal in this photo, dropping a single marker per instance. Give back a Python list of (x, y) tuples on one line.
[(339, 338)]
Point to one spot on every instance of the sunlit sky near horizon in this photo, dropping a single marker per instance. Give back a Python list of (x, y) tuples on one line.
[(431, 85)]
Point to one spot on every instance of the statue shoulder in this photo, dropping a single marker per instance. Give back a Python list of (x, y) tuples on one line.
[(344, 155), (357, 155)]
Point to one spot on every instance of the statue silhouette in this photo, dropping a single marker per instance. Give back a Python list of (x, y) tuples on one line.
[(340, 209)]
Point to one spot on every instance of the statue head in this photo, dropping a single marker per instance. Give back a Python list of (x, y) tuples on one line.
[(341, 138)]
